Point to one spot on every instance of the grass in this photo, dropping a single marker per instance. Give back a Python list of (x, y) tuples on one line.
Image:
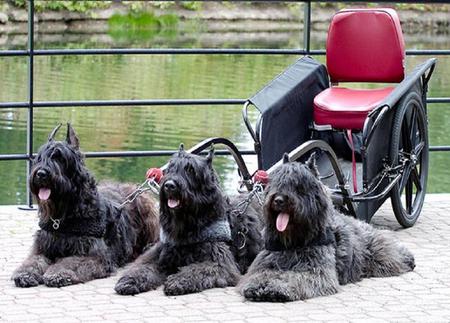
[(140, 25)]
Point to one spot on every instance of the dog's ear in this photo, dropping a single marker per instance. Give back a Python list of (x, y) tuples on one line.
[(311, 163), (285, 158), (71, 137), (52, 134), (210, 156), (181, 148)]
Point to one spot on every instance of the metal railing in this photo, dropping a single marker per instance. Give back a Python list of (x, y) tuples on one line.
[(31, 105)]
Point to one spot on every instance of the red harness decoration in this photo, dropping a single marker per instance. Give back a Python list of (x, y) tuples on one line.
[(261, 177), (154, 173)]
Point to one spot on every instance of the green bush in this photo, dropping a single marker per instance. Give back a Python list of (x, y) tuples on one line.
[(71, 5), (141, 20), (140, 25)]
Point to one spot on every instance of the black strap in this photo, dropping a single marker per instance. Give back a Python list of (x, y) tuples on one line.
[(218, 231), (326, 238)]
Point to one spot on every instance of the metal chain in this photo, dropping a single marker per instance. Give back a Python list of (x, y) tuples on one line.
[(151, 186), (242, 206)]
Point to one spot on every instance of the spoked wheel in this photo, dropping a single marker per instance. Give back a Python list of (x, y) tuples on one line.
[(409, 149)]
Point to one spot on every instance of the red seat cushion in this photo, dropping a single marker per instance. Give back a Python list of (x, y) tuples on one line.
[(365, 45), (344, 108)]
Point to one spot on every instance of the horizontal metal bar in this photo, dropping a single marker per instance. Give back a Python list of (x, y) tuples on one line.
[(160, 153), (192, 51), (439, 148), (14, 157), (157, 102), (155, 153), (5, 105), (438, 100), (120, 103), (411, 52), (14, 53), (414, 52), (111, 154), (152, 51)]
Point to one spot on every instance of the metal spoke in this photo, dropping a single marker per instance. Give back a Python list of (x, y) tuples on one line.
[(413, 128), (416, 179), (405, 177), (405, 139), (409, 196), (418, 148)]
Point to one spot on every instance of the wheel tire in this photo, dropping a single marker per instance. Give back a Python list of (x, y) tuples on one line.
[(409, 145)]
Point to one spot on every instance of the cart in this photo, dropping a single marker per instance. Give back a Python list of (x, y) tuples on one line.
[(370, 143)]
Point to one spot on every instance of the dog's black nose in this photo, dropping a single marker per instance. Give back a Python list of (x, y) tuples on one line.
[(42, 174), (170, 185), (279, 201)]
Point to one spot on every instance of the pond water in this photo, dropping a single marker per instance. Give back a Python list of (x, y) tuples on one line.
[(163, 77)]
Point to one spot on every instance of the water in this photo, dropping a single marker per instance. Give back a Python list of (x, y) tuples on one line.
[(166, 77)]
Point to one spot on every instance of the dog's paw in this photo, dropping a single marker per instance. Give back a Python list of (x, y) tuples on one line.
[(27, 279), (279, 295), (410, 262), (60, 278), (176, 285), (127, 286), (265, 293)]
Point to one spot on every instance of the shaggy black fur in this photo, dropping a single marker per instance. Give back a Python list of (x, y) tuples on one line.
[(84, 234), (194, 251), (310, 247)]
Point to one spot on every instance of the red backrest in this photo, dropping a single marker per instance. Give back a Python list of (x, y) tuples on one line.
[(365, 45)]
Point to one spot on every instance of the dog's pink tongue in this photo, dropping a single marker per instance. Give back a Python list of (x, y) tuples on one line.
[(44, 194), (282, 221), (173, 203)]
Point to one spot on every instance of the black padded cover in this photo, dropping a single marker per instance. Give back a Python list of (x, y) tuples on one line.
[(286, 106)]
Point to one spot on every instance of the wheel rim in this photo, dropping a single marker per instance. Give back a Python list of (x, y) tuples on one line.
[(413, 155)]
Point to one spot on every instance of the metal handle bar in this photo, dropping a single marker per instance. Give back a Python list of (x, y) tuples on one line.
[(198, 148), (310, 145)]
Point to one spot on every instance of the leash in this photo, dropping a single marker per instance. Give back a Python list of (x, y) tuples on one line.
[(260, 179), (151, 183)]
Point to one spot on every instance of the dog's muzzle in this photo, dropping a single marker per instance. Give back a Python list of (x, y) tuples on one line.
[(172, 191), (279, 206)]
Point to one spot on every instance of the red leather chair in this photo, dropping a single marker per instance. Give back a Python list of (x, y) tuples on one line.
[(363, 45)]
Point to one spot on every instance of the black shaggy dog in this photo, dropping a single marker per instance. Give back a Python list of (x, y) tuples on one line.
[(310, 248), (195, 251), (84, 233)]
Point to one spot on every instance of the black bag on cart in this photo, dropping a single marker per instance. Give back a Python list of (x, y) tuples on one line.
[(286, 107)]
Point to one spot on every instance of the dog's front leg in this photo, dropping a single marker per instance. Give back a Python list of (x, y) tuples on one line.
[(143, 274), (74, 270), (197, 277), (30, 273), (286, 286)]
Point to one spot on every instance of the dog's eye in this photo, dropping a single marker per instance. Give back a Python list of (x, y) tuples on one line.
[(56, 154), (189, 169)]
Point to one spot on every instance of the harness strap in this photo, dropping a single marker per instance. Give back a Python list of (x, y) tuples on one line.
[(355, 182), (218, 231), (326, 238)]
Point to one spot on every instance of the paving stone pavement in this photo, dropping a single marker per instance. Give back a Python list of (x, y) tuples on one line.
[(420, 296)]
